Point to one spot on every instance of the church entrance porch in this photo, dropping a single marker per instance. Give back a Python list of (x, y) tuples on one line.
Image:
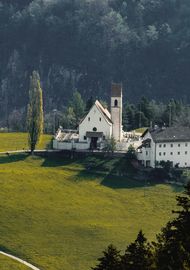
[(94, 138)]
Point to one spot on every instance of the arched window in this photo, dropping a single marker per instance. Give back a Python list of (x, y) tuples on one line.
[(94, 129), (115, 102)]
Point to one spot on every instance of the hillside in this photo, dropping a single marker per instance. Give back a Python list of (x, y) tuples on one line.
[(59, 216), (85, 45)]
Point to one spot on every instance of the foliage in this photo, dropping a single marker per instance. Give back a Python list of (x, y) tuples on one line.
[(110, 260), (78, 106), (131, 153), (138, 255), (144, 44), (173, 249), (110, 144), (35, 111), (17, 120), (166, 165)]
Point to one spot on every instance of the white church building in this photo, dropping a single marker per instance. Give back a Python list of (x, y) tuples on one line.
[(98, 126)]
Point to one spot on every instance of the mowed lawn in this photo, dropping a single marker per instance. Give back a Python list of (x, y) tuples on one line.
[(19, 141), (58, 216), (10, 264)]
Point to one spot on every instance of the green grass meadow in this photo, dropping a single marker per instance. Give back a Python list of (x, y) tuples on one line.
[(19, 141), (59, 216), (10, 264)]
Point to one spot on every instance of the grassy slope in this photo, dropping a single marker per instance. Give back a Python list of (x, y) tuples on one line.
[(9, 264), (19, 141), (59, 217)]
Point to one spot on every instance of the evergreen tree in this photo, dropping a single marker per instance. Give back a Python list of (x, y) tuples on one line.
[(78, 106), (89, 104), (173, 243), (138, 255), (147, 108), (110, 260), (69, 118), (129, 117), (35, 111)]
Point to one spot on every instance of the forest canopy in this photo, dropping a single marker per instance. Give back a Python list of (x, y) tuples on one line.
[(86, 44)]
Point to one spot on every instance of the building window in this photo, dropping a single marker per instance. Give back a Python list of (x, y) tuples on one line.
[(164, 145), (88, 118), (85, 138), (115, 102), (171, 144), (185, 152), (164, 153), (160, 153), (178, 144), (147, 153), (94, 129), (178, 153), (186, 144), (160, 145), (171, 153), (185, 163), (104, 137), (100, 119)]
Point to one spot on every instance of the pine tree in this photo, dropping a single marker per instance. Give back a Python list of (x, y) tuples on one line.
[(138, 255), (110, 260), (89, 104), (78, 106), (35, 111), (172, 249)]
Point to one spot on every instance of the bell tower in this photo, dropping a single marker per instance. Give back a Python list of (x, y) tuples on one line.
[(116, 111)]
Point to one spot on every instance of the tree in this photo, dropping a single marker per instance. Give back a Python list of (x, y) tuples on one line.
[(138, 255), (131, 153), (110, 260), (89, 104), (78, 106), (110, 144), (172, 250), (69, 118), (35, 111), (129, 117)]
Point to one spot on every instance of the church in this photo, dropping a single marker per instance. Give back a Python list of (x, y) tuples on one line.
[(98, 126)]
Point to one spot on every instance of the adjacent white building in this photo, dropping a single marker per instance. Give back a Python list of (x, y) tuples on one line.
[(165, 144), (98, 125)]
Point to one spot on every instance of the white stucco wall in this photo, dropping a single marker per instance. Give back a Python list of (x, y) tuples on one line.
[(176, 152), (70, 145), (148, 154), (94, 119)]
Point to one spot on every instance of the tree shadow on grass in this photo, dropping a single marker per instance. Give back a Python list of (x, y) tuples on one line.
[(57, 161), (105, 170), (119, 182), (94, 163), (9, 158)]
